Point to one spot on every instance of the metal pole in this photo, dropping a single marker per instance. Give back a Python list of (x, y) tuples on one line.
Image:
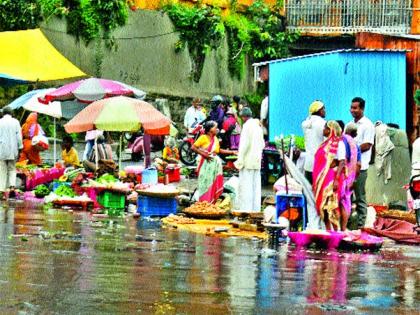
[(96, 152), (119, 160), (55, 141)]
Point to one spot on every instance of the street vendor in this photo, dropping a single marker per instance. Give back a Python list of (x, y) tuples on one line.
[(104, 152), (170, 152), (210, 171), (30, 129), (69, 154)]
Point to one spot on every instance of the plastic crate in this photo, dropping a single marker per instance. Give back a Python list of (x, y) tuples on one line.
[(154, 206), (112, 200), (286, 201)]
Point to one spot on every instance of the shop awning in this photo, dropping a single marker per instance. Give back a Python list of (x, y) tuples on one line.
[(28, 56)]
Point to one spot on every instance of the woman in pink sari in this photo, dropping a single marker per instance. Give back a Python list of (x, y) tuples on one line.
[(329, 178), (210, 170)]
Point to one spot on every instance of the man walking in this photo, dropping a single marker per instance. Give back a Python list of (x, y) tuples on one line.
[(364, 139), (10, 144), (313, 129), (251, 145)]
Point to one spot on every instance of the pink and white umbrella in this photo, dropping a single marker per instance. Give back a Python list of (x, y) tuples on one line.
[(92, 89)]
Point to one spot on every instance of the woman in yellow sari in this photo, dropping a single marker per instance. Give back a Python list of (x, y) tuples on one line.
[(210, 170)]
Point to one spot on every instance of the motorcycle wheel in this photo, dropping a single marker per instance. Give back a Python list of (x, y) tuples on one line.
[(186, 154)]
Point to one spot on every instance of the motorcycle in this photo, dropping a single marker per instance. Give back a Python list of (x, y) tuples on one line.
[(186, 154)]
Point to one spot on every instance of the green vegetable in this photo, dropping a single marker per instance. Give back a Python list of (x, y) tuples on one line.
[(41, 191), (65, 191), (106, 179)]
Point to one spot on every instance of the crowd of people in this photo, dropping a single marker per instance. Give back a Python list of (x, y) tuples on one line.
[(241, 135), (336, 160)]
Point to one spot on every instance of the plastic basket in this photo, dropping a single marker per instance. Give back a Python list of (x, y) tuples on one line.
[(174, 174), (154, 206), (112, 200)]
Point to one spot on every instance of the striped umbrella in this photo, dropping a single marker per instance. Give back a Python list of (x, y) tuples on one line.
[(120, 113), (92, 89)]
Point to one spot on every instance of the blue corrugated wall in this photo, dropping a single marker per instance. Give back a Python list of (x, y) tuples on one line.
[(335, 78)]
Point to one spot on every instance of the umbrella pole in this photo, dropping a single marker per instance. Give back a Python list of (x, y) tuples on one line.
[(55, 142), (96, 153), (119, 159)]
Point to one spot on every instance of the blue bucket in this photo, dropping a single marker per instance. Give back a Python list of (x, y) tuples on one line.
[(149, 176)]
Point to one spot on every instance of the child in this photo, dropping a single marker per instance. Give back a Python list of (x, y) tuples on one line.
[(69, 154), (170, 153)]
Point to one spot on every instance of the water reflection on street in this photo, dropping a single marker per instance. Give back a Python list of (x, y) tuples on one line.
[(53, 261)]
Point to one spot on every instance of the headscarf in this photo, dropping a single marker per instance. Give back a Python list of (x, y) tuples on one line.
[(315, 107), (31, 127), (334, 128)]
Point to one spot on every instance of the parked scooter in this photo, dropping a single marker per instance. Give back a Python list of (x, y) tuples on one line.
[(186, 154)]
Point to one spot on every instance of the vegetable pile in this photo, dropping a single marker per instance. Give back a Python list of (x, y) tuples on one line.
[(41, 191), (65, 191)]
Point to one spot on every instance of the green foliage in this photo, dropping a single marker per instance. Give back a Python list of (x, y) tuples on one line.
[(258, 32), (90, 19), (201, 29), (417, 97), (9, 93), (51, 8), (86, 19), (19, 14)]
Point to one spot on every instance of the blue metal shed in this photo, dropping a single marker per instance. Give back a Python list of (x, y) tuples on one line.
[(335, 77)]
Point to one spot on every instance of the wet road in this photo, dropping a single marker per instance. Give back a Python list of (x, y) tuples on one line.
[(56, 262)]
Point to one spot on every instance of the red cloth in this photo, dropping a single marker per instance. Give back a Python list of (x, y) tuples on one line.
[(398, 230)]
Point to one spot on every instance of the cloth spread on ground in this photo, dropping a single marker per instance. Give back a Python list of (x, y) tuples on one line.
[(208, 227), (400, 231), (384, 147)]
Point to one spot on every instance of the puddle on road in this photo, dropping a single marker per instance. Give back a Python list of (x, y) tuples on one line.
[(54, 261)]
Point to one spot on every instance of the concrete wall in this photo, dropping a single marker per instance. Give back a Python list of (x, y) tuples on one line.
[(145, 58)]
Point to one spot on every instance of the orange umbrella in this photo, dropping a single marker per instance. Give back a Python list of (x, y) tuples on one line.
[(120, 113)]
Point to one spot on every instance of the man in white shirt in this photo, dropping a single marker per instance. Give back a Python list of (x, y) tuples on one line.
[(364, 139), (264, 115), (251, 146), (194, 115), (10, 144), (313, 129)]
